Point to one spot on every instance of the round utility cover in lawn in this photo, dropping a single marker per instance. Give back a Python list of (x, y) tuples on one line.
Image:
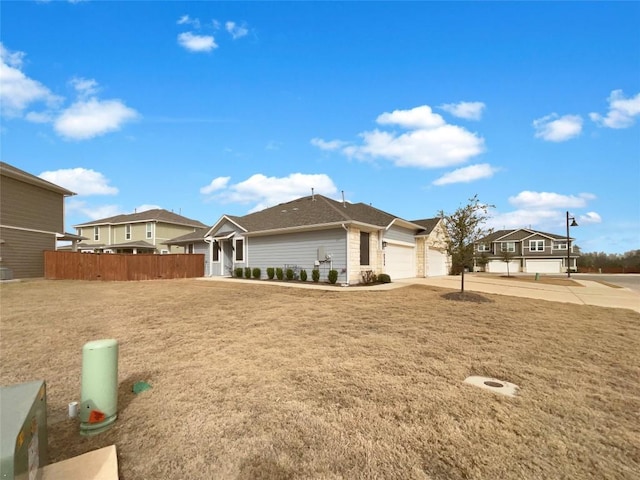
[(493, 384)]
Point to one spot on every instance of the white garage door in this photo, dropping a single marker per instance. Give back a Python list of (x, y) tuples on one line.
[(399, 261), (498, 266), (436, 263), (544, 266)]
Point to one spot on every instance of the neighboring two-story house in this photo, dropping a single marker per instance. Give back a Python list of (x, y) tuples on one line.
[(143, 232), (31, 221), (529, 251)]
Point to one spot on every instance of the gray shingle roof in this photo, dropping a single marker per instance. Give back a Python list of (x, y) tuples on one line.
[(515, 235), (195, 236), (428, 224), (312, 210), (16, 173), (157, 215)]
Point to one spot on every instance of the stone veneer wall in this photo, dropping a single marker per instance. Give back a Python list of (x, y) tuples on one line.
[(420, 256), (375, 255)]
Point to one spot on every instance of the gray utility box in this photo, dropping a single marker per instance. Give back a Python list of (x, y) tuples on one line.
[(23, 431)]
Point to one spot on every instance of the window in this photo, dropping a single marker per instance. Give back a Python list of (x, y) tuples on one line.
[(96, 233), (536, 245), (190, 248), (216, 252), (127, 232), (149, 229), (483, 247), (239, 250), (364, 248), (508, 246), (560, 245)]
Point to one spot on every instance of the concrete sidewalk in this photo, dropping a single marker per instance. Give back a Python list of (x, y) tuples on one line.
[(589, 293)]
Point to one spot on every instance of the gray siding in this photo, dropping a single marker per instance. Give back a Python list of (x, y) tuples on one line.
[(28, 206), (22, 252), (299, 249), (401, 234)]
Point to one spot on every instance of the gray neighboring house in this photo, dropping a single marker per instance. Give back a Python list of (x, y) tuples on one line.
[(532, 251), (31, 221), (321, 233)]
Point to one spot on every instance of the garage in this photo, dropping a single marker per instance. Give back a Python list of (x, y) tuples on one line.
[(436, 263), (498, 266), (399, 261), (544, 266)]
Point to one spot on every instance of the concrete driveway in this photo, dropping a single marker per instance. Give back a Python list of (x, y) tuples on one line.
[(588, 293)]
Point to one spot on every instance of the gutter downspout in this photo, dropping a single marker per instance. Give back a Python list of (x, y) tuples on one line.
[(209, 240), (347, 256)]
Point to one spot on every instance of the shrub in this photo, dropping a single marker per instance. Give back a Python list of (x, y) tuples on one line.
[(333, 276), (315, 275), (384, 278), (238, 272), (271, 272), (256, 273), (368, 277), (279, 273), (247, 272), (289, 273), (303, 275)]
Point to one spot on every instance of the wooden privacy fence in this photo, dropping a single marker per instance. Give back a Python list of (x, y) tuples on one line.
[(114, 266)]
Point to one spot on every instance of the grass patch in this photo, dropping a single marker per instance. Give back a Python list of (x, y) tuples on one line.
[(253, 381)]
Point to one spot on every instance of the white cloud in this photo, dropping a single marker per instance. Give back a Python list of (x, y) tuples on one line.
[(39, 117), (429, 143), (90, 118), (93, 212), (17, 90), (85, 87), (529, 200), (466, 110), (236, 31), (539, 219), (81, 181), (554, 128), (622, 111), (589, 217), (327, 145), (417, 118), (467, 174), (145, 207), (266, 191), (197, 43), (216, 184), (187, 20)]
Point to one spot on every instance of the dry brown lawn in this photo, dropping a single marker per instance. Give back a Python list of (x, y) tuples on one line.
[(265, 382)]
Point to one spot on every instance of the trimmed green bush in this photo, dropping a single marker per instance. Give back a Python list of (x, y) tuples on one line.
[(247, 272), (256, 273), (384, 278), (279, 273), (271, 273), (289, 273), (303, 275), (315, 275), (333, 276), (238, 272)]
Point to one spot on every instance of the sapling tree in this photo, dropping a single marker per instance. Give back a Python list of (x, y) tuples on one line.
[(506, 257), (464, 228)]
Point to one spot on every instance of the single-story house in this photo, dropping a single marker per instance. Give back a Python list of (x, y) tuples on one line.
[(527, 250), (316, 232)]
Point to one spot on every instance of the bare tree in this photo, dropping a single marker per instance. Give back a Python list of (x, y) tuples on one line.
[(464, 228), (506, 257)]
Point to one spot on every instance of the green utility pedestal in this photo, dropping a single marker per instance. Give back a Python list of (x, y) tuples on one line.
[(99, 393)]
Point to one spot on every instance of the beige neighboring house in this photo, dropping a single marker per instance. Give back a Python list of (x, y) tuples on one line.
[(143, 232), (31, 221)]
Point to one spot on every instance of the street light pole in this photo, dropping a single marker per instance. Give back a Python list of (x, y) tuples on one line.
[(573, 224)]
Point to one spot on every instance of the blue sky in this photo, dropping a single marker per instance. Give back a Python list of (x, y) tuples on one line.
[(207, 108)]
